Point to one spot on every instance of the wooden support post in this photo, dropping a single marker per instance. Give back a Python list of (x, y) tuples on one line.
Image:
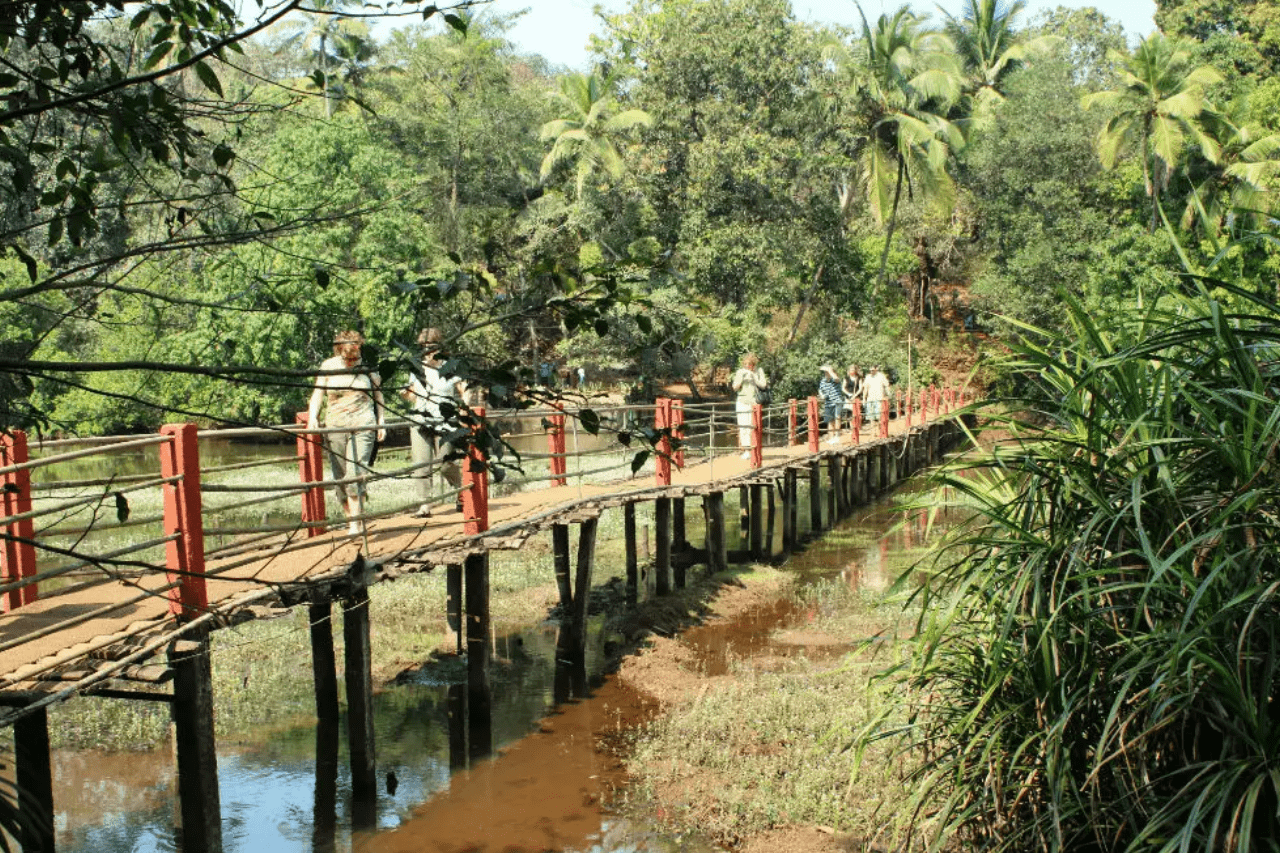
[(679, 540), (582, 582), (812, 412), (833, 506), (884, 466), (835, 470), (324, 665), (19, 553), (479, 701), (633, 568), (358, 674), (34, 776), (792, 423), (200, 807), (744, 507), (860, 479), (556, 446), (184, 557), (324, 804), (453, 603), (793, 506), (311, 470), (873, 472), (717, 544), (560, 556), (815, 498), (771, 510), (756, 541), (662, 554)]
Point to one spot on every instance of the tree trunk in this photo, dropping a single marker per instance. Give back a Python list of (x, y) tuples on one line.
[(882, 277)]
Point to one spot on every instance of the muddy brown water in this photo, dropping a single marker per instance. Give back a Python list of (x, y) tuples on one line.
[(554, 780)]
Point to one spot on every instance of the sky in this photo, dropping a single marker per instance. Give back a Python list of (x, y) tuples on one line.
[(559, 29)]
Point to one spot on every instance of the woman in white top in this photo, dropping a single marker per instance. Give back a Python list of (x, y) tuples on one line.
[(351, 399), (426, 438), (746, 382)]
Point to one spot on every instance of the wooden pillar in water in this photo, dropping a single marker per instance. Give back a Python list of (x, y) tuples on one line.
[(200, 806), (34, 774), (860, 479), (479, 710), (678, 539), (771, 511), (560, 555), (582, 583), (324, 665), (633, 564), (793, 506), (744, 506), (815, 498), (453, 603), (662, 553), (835, 502), (358, 674), (757, 522), (717, 535)]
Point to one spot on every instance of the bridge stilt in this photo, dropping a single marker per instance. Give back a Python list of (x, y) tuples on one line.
[(358, 674), (834, 504), (629, 535), (200, 810), (679, 541), (815, 498), (717, 538), (560, 554), (453, 603), (771, 511), (582, 584), (662, 537), (324, 806), (756, 523), (791, 535), (324, 671), (479, 699), (34, 772)]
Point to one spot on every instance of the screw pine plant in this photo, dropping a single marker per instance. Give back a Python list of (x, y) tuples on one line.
[(1099, 655)]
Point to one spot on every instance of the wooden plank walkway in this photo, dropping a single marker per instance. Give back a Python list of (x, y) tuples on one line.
[(40, 651)]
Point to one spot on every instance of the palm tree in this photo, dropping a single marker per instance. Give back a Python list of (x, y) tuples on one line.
[(1157, 107), (988, 47), (588, 132), (333, 42), (906, 81), (1237, 189)]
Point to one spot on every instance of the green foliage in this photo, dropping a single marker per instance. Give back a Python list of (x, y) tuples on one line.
[(1099, 648)]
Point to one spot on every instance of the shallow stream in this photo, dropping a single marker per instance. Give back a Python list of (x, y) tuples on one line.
[(556, 739)]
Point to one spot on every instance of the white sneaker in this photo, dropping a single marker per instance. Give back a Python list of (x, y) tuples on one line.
[(746, 454), (355, 528)]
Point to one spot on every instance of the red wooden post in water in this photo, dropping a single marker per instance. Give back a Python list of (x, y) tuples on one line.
[(311, 470), (792, 440), (813, 424), (661, 422), (19, 556), (475, 487), (184, 556), (857, 420), (677, 429), (757, 435), (556, 447)]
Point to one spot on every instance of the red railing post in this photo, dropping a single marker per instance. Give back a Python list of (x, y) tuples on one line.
[(884, 417), (556, 447), (792, 440), (662, 422), (475, 487), (757, 435), (19, 551), (924, 406), (933, 394), (311, 470), (813, 424), (677, 429), (184, 556), (857, 420), (907, 397)]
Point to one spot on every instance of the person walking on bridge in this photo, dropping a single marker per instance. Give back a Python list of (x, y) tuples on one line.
[(832, 401), (875, 389), (747, 383), (351, 398), (435, 396)]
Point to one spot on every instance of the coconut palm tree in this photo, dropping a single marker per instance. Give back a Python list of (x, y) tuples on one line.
[(989, 48), (1157, 110), (1237, 190), (586, 136), (905, 81), (338, 45)]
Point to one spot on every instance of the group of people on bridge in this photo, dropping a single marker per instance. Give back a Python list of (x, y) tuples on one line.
[(864, 392)]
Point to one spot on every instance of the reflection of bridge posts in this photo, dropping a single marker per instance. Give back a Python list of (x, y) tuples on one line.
[(324, 820), (575, 601), (570, 680)]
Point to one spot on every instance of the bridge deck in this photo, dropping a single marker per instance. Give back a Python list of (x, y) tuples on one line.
[(40, 650)]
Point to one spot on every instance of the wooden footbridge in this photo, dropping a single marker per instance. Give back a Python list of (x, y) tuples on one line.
[(111, 586)]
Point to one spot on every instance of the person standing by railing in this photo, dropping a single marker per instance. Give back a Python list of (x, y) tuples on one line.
[(351, 400), (876, 389), (426, 393), (851, 387), (747, 382), (832, 401)]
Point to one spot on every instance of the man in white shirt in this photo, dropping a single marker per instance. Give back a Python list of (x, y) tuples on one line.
[(875, 390)]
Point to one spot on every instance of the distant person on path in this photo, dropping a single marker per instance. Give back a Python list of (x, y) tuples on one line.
[(426, 393), (832, 401), (582, 378), (851, 387), (351, 400), (875, 389), (745, 383)]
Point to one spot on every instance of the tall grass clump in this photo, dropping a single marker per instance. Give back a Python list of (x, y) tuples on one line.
[(1099, 650)]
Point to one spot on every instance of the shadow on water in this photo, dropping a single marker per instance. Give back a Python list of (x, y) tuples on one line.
[(528, 762)]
